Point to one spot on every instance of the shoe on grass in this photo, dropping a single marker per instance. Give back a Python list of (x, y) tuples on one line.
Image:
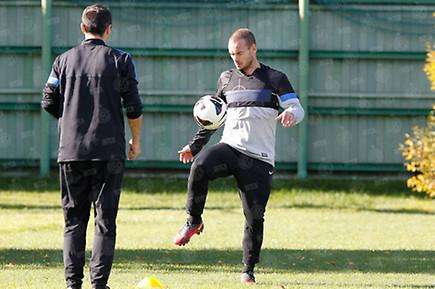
[(186, 232), (247, 278)]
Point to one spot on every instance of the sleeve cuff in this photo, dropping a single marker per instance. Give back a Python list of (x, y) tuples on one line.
[(195, 149), (134, 111), (297, 111)]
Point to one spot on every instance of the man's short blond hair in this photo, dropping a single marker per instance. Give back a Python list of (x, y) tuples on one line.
[(243, 33)]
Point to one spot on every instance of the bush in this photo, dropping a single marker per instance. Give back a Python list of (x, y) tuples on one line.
[(419, 153), (419, 148)]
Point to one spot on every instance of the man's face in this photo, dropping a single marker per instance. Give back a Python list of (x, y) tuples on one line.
[(241, 53)]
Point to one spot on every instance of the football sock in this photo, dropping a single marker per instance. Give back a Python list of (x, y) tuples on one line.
[(194, 220), (248, 268)]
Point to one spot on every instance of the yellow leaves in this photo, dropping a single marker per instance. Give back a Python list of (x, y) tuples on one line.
[(422, 183), (418, 151), (408, 142), (429, 67), (415, 183), (411, 167)]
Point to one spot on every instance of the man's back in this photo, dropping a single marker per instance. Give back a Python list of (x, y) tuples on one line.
[(94, 81)]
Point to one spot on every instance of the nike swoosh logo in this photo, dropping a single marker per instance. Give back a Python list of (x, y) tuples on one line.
[(270, 173)]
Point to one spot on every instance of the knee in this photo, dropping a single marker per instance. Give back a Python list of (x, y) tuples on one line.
[(255, 218), (75, 225), (105, 221), (255, 222), (105, 226), (198, 171)]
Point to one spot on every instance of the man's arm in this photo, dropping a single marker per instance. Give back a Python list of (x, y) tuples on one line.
[(293, 112), (202, 136), (51, 94), (132, 104), (190, 150), (134, 143), (200, 139)]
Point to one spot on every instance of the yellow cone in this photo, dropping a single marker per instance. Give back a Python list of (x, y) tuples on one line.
[(150, 282)]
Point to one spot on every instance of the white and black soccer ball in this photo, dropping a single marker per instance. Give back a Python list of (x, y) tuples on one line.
[(210, 112)]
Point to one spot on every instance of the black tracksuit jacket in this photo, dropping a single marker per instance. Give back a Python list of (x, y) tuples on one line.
[(87, 88)]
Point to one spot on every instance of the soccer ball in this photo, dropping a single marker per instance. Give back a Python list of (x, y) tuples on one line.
[(210, 112)]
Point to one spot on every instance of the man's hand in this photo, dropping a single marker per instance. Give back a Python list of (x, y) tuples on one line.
[(286, 118), (186, 155), (134, 150)]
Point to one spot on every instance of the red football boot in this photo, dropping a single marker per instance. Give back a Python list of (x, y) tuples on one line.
[(186, 232)]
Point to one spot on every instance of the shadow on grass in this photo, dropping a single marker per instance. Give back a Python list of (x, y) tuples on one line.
[(229, 207), (351, 284), (175, 185), (29, 207), (273, 260)]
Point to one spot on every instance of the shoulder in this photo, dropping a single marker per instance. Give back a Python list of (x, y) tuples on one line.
[(226, 74), (123, 60), (62, 58), (119, 54), (118, 51), (225, 77), (68, 53), (274, 75)]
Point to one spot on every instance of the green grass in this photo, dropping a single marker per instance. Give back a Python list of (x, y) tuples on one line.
[(318, 234)]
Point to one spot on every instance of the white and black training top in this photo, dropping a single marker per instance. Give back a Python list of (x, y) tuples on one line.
[(253, 103)]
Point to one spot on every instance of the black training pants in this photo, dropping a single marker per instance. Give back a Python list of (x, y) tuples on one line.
[(84, 183), (254, 178)]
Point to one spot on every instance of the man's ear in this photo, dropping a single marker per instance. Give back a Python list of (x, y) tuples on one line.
[(254, 48), (83, 28), (107, 32)]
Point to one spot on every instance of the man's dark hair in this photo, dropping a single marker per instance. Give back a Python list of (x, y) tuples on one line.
[(244, 33), (96, 18)]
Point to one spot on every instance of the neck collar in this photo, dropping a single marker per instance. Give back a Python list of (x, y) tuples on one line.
[(94, 41)]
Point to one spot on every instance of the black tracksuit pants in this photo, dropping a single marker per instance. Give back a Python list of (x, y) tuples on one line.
[(84, 183), (254, 178)]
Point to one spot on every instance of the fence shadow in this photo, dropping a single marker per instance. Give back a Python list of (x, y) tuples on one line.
[(273, 260)]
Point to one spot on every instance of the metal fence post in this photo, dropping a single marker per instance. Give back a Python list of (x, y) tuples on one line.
[(303, 86), (46, 11)]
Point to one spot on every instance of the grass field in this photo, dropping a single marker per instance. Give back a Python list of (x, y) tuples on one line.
[(318, 234)]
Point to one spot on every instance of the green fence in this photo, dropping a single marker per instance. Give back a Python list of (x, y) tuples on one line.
[(357, 66)]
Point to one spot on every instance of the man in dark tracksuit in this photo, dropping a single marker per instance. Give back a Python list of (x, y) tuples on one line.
[(253, 93), (87, 88)]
